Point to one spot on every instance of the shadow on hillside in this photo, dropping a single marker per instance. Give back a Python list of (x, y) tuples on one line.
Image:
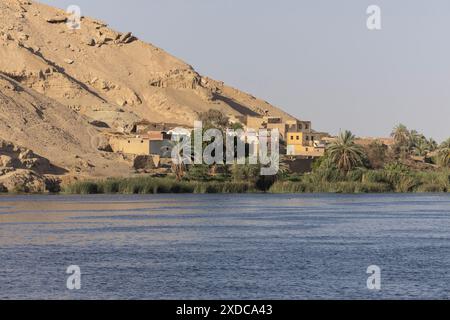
[(236, 106)]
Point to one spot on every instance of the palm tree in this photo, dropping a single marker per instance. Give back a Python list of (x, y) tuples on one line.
[(445, 144), (179, 159), (444, 153), (415, 138), (432, 144), (401, 135), (444, 157), (345, 153), (421, 149)]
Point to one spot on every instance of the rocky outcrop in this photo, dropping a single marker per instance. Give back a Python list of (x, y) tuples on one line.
[(56, 19), (15, 157), (176, 79), (21, 170), (22, 180)]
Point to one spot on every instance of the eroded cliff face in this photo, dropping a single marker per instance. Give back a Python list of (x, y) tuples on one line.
[(29, 120)]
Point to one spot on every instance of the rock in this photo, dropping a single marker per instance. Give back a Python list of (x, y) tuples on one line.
[(129, 40), (145, 162), (69, 61), (35, 49), (22, 36), (3, 189), (57, 19), (6, 37), (6, 161), (89, 41), (23, 181), (126, 38), (99, 124), (37, 164), (86, 164), (102, 143), (26, 154), (121, 102)]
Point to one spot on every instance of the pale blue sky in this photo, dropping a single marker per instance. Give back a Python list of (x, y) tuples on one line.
[(313, 58)]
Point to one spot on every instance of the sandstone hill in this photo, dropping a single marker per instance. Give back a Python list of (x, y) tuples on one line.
[(55, 82)]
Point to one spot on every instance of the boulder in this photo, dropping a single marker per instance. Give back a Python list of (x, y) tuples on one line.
[(57, 19), (102, 143), (99, 124), (126, 38), (6, 161), (23, 181), (146, 162), (89, 41)]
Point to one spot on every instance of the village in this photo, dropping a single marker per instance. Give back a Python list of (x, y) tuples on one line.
[(150, 144)]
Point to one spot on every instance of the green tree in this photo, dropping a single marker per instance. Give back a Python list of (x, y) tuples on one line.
[(432, 144), (443, 155), (345, 153), (401, 135), (376, 154), (421, 148)]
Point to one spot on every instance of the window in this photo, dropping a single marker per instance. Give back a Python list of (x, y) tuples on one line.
[(307, 138), (292, 137), (312, 138), (300, 127), (298, 137), (307, 149), (306, 126)]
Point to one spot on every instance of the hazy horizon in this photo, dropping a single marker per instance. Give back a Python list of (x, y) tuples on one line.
[(314, 59)]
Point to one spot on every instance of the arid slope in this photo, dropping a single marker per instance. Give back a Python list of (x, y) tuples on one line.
[(54, 81)]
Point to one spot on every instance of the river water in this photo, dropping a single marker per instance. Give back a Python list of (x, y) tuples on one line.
[(225, 246)]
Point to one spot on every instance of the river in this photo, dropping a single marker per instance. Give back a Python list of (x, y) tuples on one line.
[(225, 246)]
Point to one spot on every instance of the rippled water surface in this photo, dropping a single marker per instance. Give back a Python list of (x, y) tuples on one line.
[(225, 246)]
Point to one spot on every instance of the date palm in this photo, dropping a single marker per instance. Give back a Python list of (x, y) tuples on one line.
[(444, 157), (444, 153), (421, 149), (401, 135), (432, 144), (445, 144), (345, 153)]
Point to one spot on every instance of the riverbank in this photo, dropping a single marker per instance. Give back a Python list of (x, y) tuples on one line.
[(368, 182)]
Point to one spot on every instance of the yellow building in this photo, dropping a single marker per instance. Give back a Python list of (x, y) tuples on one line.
[(300, 139), (141, 146), (307, 144)]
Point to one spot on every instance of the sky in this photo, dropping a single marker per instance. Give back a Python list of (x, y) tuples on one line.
[(315, 59)]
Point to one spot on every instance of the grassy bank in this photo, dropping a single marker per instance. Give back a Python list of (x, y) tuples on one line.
[(150, 185), (394, 179)]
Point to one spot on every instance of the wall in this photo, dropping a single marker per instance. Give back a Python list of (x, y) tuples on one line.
[(130, 145)]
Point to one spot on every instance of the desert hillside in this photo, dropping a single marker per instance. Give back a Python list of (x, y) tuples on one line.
[(108, 75), (56, 82)]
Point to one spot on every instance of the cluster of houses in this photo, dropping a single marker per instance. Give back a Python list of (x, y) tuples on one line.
[(300, 139)]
